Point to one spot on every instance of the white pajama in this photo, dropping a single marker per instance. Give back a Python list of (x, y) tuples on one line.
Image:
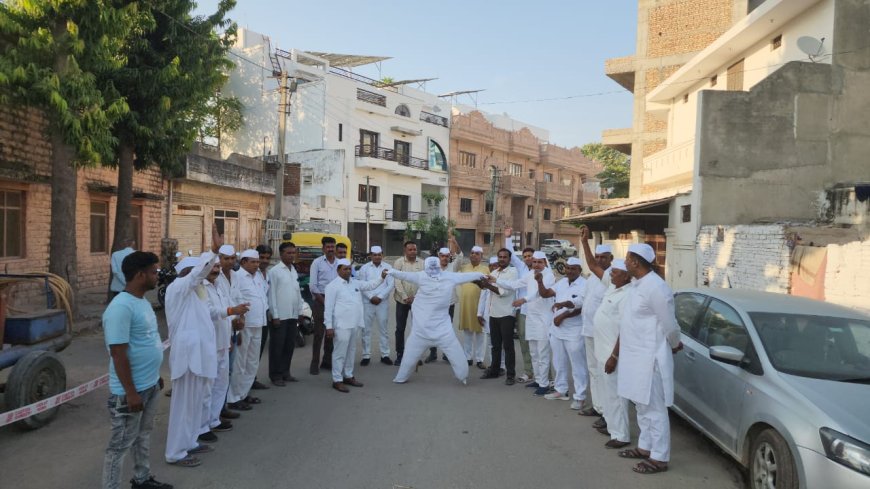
[(615, 408), (653, 421), (569, 353), (594, 376), (446, 342), (343, 353), (473, 344), (376, 315), (245, 364), (188, 413), (219, 388), (540, 353)]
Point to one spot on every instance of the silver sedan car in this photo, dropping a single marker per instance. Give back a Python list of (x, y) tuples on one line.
[(780, 383)]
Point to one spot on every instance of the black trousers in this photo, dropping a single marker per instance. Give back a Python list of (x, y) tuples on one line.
[(402, 311), (501, 332), (281, 348)]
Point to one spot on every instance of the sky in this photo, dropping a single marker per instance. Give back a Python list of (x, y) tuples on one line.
[(517, 51)]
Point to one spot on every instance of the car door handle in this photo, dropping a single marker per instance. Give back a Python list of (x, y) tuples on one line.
[(690, 355)]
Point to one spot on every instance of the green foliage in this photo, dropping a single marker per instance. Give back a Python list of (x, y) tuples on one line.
[(432, 230), (386, 80), (617, 168), (48, 62), (222, 115), (176, 64)]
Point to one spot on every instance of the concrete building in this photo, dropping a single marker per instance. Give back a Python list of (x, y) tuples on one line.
[(759, 132), (537, 184), (365, 149), (236, 193), (25, 204)]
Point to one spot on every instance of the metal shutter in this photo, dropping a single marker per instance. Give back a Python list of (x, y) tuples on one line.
[(188, 231)]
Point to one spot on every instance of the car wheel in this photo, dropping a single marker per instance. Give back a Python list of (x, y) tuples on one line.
[(771, 465)]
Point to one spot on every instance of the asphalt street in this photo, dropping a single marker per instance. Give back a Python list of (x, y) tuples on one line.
[(432, 432)]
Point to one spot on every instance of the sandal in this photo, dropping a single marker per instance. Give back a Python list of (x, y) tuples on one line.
[(633, 453), (252, 400), (649, 467), (200, 448), (187, 461), (616, 444), (239, 406)]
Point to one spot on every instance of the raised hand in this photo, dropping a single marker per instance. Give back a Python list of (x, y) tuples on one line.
[(217, 239), (584, 233)]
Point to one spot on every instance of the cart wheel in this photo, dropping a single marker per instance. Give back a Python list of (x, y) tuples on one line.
[(36, 376)]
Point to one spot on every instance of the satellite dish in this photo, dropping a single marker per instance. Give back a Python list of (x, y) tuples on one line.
[(811, 46)]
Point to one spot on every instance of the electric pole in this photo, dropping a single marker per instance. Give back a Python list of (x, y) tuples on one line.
[(494, 195), (537, 214), (368, 215), (283, 109)]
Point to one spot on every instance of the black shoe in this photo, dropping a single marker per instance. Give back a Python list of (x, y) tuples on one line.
[(386, 361), (444, 357), (224, 426), (431, 358), (398, 362), (226, 413), (489, 375), (149, 483), (533, 384), (259, 386), (470, 362), (365, 362), (326, 365), (502, 371), (481, 366), (419, 363), (510, 381), (208, 437)]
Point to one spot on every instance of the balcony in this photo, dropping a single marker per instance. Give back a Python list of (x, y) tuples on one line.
[(517, 186), (467, 177), (392, 215), (671, 167), (618, 139), (368, 156), (484, 222), (433, 119), (371, 97), (621, 70), (554, 192)]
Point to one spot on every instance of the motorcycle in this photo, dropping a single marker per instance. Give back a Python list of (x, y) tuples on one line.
[(165, 276), (557, 262), (306, 326)]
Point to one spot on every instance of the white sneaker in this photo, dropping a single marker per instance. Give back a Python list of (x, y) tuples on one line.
[(576, 405), (556, 396)]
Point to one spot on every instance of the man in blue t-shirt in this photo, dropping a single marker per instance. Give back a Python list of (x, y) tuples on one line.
[(135, 350)]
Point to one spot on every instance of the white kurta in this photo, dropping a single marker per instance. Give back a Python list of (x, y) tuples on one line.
[(343, 311), (566, 341), (539, 317), (218, 305), (614, 408), (376, 316), (246, 361), (432, 326)]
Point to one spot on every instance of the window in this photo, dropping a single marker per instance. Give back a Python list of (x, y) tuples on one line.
[(403, 151), (403, 110), (776, 42), (368, 142), (465, 205), (516, 169), (714, 80), (136, 225), (467, 159), (548, 177), (227, 223), (566, 212), (722, 326), (546, 214), (530, 211), (529, 239), (99, 227), (11, 223), (487, 239), (735, 76), (531, 174), (373, 193), (686, 211), (687, 306), (307, 176), (487, 202), (340, 131)]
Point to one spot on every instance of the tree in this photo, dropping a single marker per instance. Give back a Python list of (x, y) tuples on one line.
[(434, 229), (223, 115), (176, 63), (617, 168), (49, 63)]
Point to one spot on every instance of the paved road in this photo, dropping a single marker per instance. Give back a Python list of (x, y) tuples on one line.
[(430, 433)]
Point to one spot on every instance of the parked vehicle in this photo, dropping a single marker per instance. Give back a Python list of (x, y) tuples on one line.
[(780, 383), (556, 262), (309, 247), (561, 246), (165, 276)]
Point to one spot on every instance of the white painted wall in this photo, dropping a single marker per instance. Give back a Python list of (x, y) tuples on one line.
[(753, 257)]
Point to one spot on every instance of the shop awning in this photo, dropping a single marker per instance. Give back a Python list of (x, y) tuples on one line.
[(655, 207)]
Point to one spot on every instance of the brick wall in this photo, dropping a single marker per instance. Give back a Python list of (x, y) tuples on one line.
[(848, 267), (686, 26), (754, 257)]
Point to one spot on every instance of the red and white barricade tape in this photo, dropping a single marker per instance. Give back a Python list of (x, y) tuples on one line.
[(56, 400)]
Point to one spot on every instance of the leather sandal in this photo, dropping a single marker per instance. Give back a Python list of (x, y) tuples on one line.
[(340, 387)]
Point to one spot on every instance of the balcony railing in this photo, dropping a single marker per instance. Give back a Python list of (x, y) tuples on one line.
[(389, 154), (433, 119), (402, 216), (669, 163), (371, 97)]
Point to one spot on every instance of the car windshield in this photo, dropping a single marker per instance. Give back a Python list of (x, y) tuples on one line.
[(552, 242), (820, 347)]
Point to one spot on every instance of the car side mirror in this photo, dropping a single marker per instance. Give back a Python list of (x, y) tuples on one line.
[(726, 354)]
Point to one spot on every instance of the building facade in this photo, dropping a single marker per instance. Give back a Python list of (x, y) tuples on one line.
[(505, 174), (368, 151), (25, 197)]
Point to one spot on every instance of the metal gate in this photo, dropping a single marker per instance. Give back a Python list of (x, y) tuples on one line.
[(188, 231)]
